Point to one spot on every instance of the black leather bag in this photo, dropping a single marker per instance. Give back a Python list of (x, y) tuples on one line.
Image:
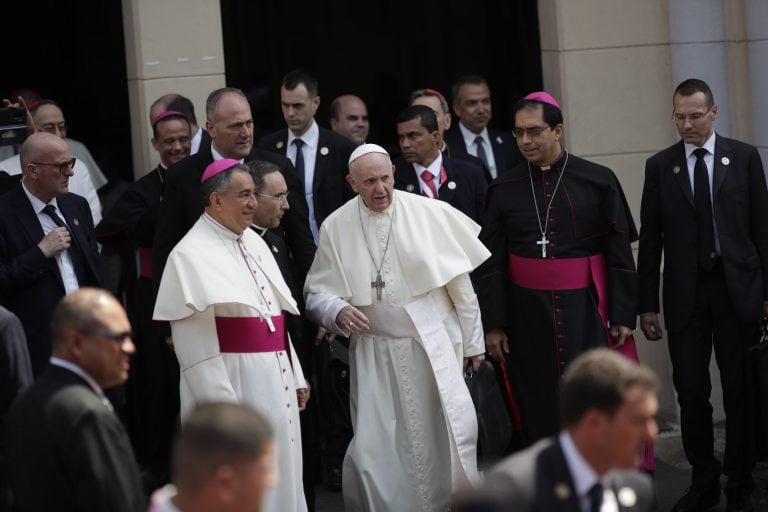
[(493, 422), (757, 364)]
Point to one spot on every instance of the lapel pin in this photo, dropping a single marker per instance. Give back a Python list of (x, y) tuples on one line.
[(562, 491), (452, 185), (725, 160), (498, 139), (410, 187), (676, 169), (274, 249), (76, 222), (323, 150), (627, 497), (279, 144)]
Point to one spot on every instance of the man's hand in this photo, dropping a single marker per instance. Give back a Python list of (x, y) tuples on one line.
[(620, 333), (497, 344), (322, 333), (649, 323), (476, 360), (55, 242), (20, 103), (302, 396), (351, 320)]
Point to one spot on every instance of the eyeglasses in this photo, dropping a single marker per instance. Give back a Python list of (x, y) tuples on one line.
[(693, 118), (63, 167), (281, 197), (117, 337), (533, 131)]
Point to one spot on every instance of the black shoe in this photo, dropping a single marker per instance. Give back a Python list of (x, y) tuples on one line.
[(738, 502), (698, 498)]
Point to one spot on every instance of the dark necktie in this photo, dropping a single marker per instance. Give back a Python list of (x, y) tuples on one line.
[(595, 497), (74, 252), (481, 151), (300, 162), (703, 204)]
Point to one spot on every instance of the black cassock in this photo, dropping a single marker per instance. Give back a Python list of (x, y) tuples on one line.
[(548, 328), (153, 387)]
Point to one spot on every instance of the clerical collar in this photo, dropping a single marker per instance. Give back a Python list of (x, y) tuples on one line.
[(370, 212), (558, 164), (259, 230), (217, 156), (226, 231)]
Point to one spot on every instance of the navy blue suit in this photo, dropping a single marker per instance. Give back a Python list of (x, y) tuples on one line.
[(464, 187), (30, 283)]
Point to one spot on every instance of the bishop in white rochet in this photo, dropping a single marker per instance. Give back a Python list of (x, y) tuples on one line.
[(392, 272), (224, 295)]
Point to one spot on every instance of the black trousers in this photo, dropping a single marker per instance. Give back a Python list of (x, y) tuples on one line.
[(714, 323)]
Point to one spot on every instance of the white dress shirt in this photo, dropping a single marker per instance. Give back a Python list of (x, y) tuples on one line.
[(311, 139), (434, 169), (469, 141), (709, 160), (584, 477)]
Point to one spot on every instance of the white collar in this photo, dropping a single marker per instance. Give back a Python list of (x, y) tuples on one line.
[(69, 365), (709, 145), (388, 212), (434, 167), (37, 204), (228, 233), (469, 136), (582, 474), (310, 138), (218, 156), (259, 230)]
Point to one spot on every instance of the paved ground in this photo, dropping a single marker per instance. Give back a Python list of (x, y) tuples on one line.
[(672, 476)]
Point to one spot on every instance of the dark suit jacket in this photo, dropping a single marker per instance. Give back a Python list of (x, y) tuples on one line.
[(182, 204), (668, 218), (329, 186), (467, 194), (30, 283), (68, 451), (505, 150), (538, 480)]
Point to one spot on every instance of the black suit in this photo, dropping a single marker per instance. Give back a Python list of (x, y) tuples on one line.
[(30, 283), (329, 186), (182, 205), (68, 451), (538, 480), (504, 147), (464, 187), (701, 308)]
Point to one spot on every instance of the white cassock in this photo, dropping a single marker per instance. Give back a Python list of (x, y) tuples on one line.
[(415, 429), (221, 291)]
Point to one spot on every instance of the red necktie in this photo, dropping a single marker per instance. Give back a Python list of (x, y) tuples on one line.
[(429, 179)]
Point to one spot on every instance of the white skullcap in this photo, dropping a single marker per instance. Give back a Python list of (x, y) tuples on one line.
[(364, 149)]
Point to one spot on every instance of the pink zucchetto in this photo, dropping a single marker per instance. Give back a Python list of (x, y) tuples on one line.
[(543, 97), (218, 167), (365, 149), (166, 114)]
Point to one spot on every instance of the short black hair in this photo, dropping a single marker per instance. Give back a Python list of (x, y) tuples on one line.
[(691, 86), (599, 379), (168, 118), (469, 78), (220, 182), (423, 113), (259, 169), (294, 78), (553, 116), (184, 105)]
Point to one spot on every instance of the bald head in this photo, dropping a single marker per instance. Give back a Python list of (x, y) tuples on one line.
[(349, 117), (160, 105), (46, 165), (79, 311), (38, 146)]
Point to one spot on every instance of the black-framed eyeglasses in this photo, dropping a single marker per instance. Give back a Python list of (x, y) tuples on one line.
[(533, 131), (281, 197), (693, 118), (117, 337), (63, 167)]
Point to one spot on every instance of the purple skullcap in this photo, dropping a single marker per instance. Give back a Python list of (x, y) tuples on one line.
[(543, 97), (217, 167), (167, 113)]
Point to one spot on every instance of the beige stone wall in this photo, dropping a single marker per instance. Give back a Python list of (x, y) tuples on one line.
[(170, 46)]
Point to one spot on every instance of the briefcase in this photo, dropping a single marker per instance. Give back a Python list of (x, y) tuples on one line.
[(494, 425)]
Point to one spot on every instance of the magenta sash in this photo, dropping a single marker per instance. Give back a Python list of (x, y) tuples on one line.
[(250, 334), (573, 274)]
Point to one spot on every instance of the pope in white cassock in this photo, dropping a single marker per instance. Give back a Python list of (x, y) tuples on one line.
[(224, 295), (391, 271)]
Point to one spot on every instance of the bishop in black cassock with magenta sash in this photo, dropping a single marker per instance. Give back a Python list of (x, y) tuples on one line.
[(561, 278)]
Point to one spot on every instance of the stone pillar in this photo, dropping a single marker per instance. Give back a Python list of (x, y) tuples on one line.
[(170, 46), (756, 14)]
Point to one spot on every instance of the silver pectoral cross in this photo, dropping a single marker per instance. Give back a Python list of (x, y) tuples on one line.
[(378, 284), (543, 243)]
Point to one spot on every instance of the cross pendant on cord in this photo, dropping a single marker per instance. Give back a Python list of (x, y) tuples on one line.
[(543, 244), (378, 284)]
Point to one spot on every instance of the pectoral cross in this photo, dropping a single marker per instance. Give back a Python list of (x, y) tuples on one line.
[(543, 244), (378, 284)]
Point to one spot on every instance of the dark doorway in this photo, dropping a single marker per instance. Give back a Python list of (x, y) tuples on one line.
[(74, 53), (381, 50)]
